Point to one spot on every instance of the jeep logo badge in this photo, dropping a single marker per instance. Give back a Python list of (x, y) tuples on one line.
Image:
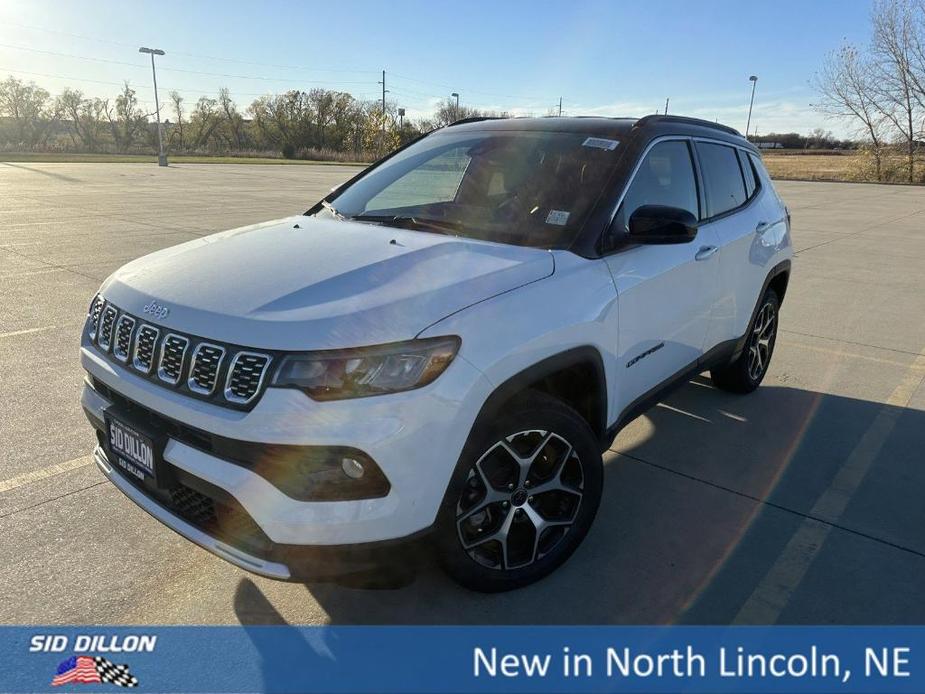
[(156, 310)]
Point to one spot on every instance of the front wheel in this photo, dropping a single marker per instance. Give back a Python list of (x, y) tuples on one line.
[(746, 373), (522, 498)]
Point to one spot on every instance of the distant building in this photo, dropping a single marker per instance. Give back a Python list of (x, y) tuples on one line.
[(770, 145)]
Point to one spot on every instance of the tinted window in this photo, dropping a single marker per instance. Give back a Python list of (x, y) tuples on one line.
[(529, 188), (665, 177), (762, 172), (749, 173), (722, 177)]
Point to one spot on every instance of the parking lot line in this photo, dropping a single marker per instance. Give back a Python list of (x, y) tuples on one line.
[(44, 473), (852, 355), (27, 331), (773, 593)]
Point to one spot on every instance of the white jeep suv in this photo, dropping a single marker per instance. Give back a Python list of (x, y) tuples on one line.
[(441, 348)]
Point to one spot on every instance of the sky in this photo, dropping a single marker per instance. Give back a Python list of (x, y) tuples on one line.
[(602, 57)]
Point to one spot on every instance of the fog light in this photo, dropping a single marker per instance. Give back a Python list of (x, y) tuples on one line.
[(352, 468)]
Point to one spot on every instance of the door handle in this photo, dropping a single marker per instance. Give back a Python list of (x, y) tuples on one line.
[(705, 252)]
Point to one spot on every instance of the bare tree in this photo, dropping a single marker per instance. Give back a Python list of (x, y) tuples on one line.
[(126, 120), (846, 87), (233, 121), (84, 118), (176, 101), (204, 121), (893, 55), (30, 107)]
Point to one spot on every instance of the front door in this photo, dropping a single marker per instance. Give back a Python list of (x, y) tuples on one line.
[(665, 293)]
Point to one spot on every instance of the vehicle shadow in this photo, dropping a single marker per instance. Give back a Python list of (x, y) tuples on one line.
[(701, 496), (43, 172)]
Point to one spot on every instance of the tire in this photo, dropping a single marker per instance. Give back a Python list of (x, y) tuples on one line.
[(748, 370), (486, 530)]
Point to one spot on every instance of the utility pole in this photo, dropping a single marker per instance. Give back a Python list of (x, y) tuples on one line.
[(754, 80), (560, 107), (161, 157), (384, 92), (666, 105)]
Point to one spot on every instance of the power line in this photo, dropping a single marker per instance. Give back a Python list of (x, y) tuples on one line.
[(174, 69), (84, 37)]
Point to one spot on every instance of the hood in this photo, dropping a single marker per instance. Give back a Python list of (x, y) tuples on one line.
[(307, 283)]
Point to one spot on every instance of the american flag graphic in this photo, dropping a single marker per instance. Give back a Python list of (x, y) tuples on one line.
[(86, 669)]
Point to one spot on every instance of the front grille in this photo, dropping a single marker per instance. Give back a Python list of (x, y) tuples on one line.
[(207, 360), (104, 339), (122, 346), (173, 353), (185, 363), (245, 376), (144, 348), (96, 308)]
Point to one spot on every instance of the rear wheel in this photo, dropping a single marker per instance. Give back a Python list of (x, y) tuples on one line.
[(523, 496), (746, 373)]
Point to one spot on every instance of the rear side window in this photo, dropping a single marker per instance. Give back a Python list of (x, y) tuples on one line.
[(722, 175), (759, 167), (665, 177), (749, 174)]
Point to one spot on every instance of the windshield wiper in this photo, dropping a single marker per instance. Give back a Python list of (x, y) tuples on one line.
[(438, 225)]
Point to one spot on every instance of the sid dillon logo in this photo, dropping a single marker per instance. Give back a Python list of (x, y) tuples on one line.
[(85, 669)]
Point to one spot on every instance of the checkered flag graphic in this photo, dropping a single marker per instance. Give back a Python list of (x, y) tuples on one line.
[(118, 675)]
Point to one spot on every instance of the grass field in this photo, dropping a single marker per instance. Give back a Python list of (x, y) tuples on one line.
[(74, 158), (814, 167), (790, 164)]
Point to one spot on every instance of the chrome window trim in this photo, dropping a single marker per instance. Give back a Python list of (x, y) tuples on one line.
[(191, 383), (157, 334), (696, 164), (642, 158), (160, 361), (131, 335), (231, 397)]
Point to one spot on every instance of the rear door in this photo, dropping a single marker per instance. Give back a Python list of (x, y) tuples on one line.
[(735, 216), (665, 292)]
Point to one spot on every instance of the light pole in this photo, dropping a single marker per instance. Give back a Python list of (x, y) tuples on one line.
[(456, 112), (161, 157), (754, 80)]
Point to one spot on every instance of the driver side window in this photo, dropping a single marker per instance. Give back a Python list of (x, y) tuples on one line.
[(665, 177)]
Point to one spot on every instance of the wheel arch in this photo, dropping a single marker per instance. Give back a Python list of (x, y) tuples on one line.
[(575, 376), (777, 279)]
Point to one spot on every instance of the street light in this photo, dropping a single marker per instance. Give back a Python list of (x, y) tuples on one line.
[(456, 113), (161, 157), (754, 80)]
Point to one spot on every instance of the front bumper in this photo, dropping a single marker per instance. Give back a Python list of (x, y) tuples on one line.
[(414, 437)]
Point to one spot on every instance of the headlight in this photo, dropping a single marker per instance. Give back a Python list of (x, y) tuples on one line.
[(358, 373)]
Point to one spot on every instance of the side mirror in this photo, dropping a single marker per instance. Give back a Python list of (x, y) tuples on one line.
[(658, 224)]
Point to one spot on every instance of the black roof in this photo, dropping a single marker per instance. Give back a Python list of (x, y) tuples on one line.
[(647, 126)]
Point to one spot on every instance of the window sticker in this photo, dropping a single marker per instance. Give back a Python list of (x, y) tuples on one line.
[(557, 217), (600, 143)]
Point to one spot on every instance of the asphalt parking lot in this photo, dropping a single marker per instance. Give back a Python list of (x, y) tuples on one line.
[(802, 503)]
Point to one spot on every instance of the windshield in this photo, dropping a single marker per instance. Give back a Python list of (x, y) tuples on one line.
[(526, 188)]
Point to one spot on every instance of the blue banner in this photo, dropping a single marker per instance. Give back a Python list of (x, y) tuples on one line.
[(462, 659)]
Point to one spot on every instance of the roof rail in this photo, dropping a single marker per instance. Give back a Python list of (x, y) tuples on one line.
[(656, 118), (475, 119)]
